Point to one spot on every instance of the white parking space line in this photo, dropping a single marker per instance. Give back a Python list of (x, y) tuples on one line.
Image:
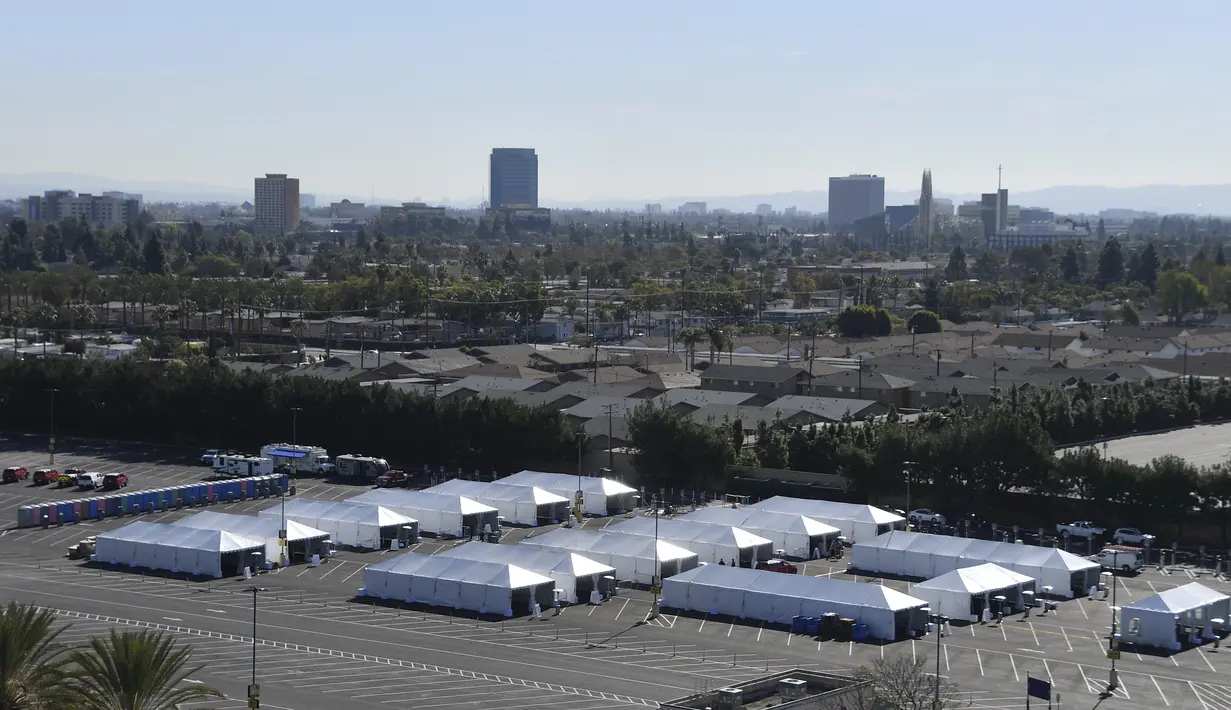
[(362, 567), (339, 564)]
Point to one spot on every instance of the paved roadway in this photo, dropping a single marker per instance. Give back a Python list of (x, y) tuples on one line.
[(1204, 445), (317, 648)]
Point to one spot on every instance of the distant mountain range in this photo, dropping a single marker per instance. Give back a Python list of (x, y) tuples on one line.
[(1066, 199)]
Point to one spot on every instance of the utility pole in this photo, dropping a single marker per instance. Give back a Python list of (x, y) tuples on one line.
[(254, 690), (51, 440)]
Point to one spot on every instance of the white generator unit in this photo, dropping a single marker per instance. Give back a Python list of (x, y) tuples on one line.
[(303, 460)]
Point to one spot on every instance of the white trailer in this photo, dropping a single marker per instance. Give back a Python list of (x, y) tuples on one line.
[(303, 460), (360, 469), (241, 466)]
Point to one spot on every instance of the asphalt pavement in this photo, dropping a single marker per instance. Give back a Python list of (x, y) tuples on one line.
[(319, 647), (1204, 445)]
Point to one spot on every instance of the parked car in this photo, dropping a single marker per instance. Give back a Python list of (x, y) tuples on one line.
[(43, 476), (925, 515), (1080, 528), (114, 481), (392, 478), (777, 565), (1132, 536), (15, 474), (207, 458), (68, 477), (89, 480)]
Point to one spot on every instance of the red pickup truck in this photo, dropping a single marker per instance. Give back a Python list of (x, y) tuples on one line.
[(393, 478)]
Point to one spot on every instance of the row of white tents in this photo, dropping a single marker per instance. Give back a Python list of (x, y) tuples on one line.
[(856, 522), (792, 534), (633, 557), (778, 598), (924, 556), (443, 514), (519, 505), (351, 524), (207, 543), (600, 496), (710, 541)]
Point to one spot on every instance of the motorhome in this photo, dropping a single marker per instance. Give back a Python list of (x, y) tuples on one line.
[(303, 460), (360, 469), (240, 466)]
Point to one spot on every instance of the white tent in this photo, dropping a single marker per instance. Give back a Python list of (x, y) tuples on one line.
[(712, 542), (777, 598), (797, 535), (351, 524), (964, 593), (924, 556), (437, 513), (1182, 614), (575, 575), (302, 540), (520, 505), (632, 556), (473, 585), (602, 496), (177, 548), (857, 522)]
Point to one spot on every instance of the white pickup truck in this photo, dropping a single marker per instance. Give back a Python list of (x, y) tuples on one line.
[(1080, 528)]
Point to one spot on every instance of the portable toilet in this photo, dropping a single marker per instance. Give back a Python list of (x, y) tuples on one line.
[(209, 493), (113, 505), (81, 510), (65, 512)]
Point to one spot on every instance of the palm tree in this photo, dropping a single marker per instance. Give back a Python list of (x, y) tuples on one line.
[(134, 671), (690, 336), (32, 667)]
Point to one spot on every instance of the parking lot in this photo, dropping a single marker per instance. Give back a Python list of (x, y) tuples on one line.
[(613, 650)]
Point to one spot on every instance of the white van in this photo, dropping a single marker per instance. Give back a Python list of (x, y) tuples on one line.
[(89, 480), (1122, 558)]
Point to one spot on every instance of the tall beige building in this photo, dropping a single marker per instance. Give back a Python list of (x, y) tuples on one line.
[(277, 203)]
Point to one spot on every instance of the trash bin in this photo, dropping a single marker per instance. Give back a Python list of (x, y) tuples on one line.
[(829, 626), (814, 626), (799, 624), (860, 632), (845, 630)]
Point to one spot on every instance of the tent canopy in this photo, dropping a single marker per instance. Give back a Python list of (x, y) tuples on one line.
[(479, 490), (496, 574), (535, 560), (1180, 599), (979, 579), (753, 519), (186, 537), (341, 511), (857, 522), (425, 500), (261, 527), (690, 530), (632, 556), (567, 481)]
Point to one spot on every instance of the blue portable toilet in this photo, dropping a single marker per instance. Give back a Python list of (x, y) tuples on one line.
[(113, 505), (65, 512), (91, 508), (168, 497), (25, 516)]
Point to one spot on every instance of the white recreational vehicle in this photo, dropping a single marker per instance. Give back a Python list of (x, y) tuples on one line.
[(361, 469), (303, 460), (241, 466)]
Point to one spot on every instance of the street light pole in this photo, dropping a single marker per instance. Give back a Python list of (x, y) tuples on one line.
[(253, 693), (51, 441), (656, 579), (295, 424), (1113, 679), (939, 620), (906, 472)]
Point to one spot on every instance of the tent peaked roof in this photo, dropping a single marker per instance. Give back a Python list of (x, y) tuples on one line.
[(831, 509), (975, 580), (531, 558), (185, 536), (465, 570), (1180, 599), (552, 481), (689, 530), (341, 510), (249, 525), (751, 518), (423, 500)]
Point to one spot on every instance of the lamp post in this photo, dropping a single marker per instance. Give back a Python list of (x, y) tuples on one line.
[(1113, 649), (906, 465), (253, 690), (939, 620), (51, 441), (656, 580)]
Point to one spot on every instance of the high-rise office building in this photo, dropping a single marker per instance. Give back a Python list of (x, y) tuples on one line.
[(277, 203), (994, 209), (927, 217), (855, 197), (514, 178)]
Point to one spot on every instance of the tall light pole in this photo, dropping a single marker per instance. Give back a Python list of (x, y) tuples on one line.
[(254, 690), (939, 620), (51, 440), (906, 471), (1113, 650), (656, 579), (295, 425), (283, 557)]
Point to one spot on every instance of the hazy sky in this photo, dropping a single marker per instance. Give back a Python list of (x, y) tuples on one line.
[(630, 99)]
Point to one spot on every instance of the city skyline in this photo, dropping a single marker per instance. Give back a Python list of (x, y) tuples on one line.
[(622, 106)]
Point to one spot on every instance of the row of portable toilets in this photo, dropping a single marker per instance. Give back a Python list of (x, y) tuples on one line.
[(151, 501)]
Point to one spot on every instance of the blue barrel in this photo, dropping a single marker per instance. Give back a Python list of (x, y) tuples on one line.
[(25, 516)]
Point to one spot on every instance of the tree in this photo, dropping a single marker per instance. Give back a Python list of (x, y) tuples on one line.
[(857, 322), (931, 296), (901, 682), (1070, 267), (155, 258), (956, 270), (1101, 230), (1110, 263), (923, 322), (1147, 268), (690, 337), (804, 286), (1220, 258), (32, 667), (1128, 314), (134, 671), (672, 451), (1180, 293)]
